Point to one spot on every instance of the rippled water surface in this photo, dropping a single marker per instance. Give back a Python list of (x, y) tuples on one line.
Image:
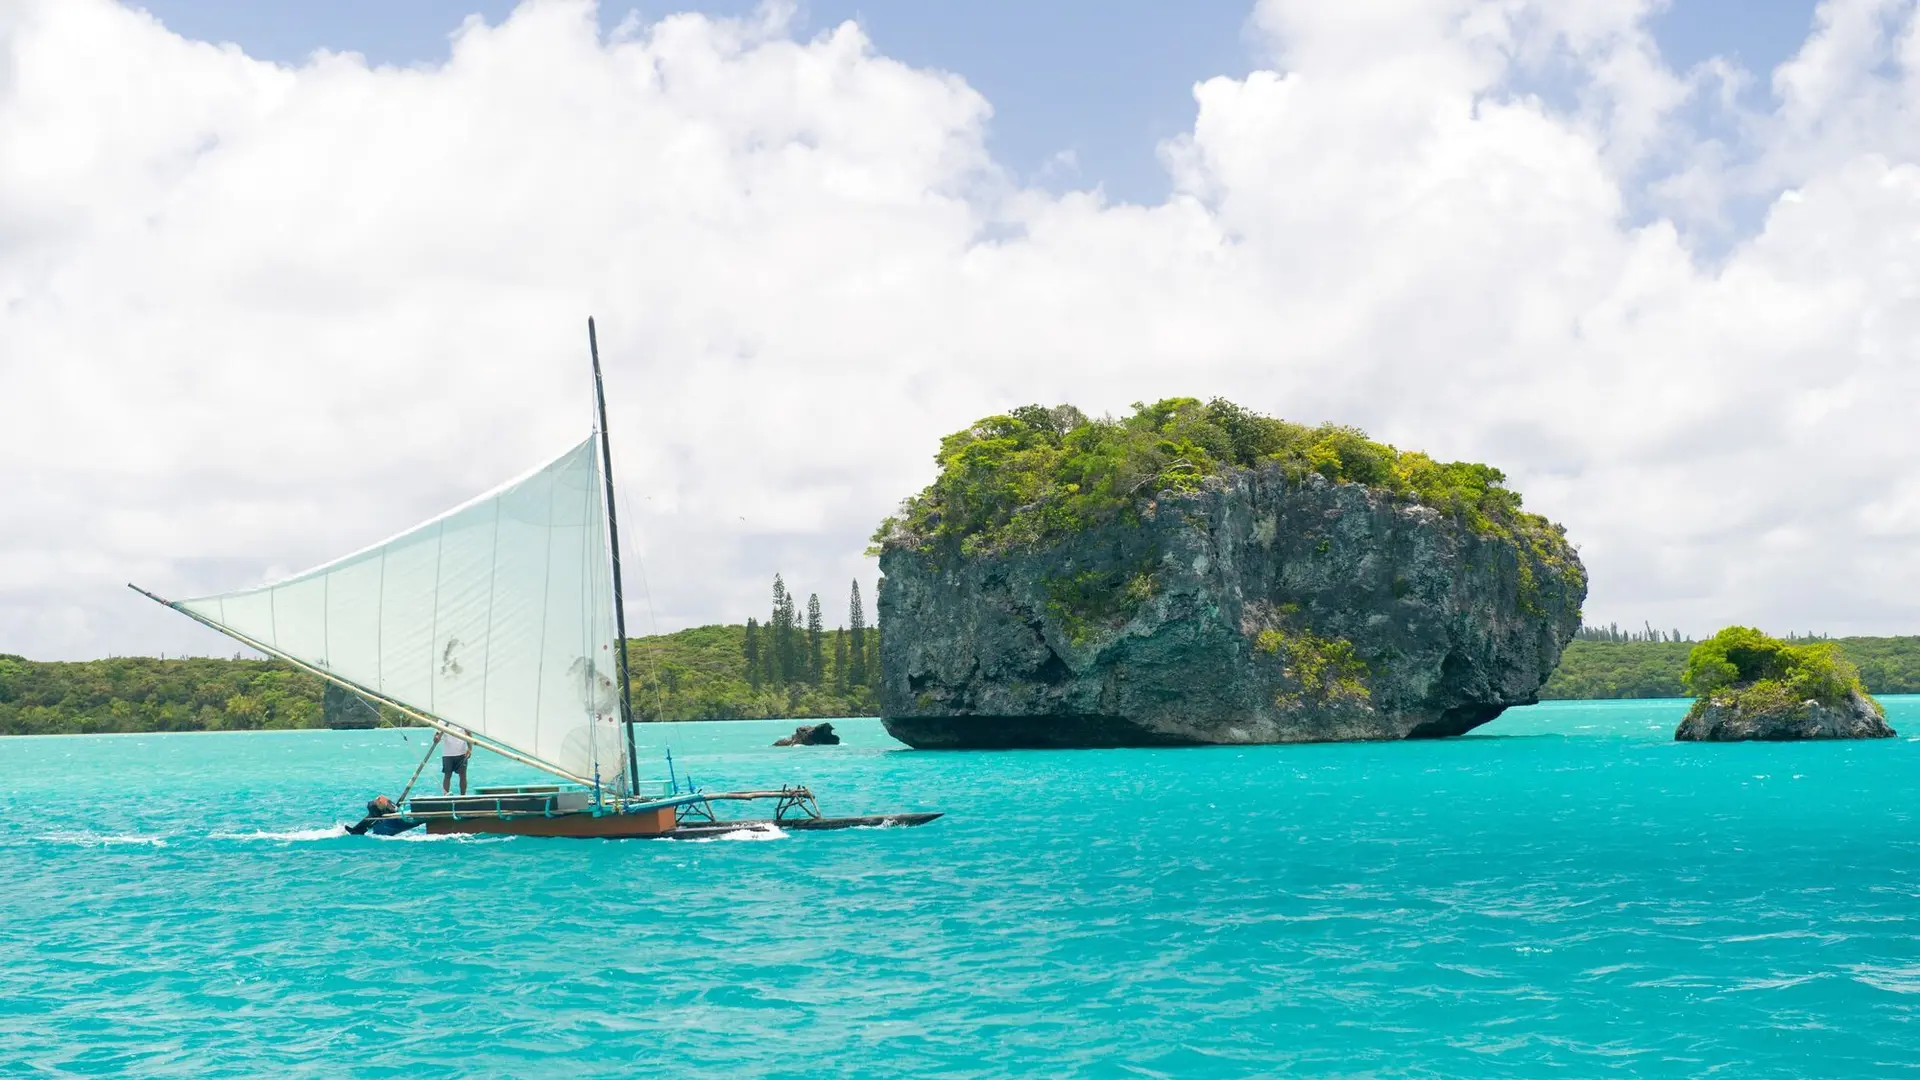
[(1565, 893)]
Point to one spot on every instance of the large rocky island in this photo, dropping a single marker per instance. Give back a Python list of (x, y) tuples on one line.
[(1751, 687), (1198, 573)]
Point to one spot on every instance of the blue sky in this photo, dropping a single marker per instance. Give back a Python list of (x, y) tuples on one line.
[(1106, 80)]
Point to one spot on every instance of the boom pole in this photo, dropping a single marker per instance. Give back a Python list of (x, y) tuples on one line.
[(613, 540)]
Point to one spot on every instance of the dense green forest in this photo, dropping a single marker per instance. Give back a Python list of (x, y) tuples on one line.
[(790, 665), (1651, 668), (143, 693)]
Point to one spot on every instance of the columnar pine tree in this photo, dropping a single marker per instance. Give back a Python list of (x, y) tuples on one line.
[(776, 639), (786, 649), (816, 641), (840, 660), (857, 640), (753, 654)]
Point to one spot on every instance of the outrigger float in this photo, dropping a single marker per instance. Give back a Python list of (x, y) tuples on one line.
[(501, 622)]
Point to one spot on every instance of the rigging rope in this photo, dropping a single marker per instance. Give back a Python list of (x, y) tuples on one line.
[(402, 800), (632, 541)]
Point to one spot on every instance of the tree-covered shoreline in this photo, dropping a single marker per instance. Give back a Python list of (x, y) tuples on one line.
[(1592, 669), (701, 673)]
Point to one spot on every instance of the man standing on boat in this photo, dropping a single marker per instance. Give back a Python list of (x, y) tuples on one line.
[(454, 752)]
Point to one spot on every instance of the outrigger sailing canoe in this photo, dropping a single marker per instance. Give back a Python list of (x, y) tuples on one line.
[(501, 622)]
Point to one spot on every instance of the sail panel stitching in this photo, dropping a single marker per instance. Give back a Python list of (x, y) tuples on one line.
[(486, 647)]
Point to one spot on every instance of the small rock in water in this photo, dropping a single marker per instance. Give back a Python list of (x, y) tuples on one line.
[(1855, 718), (814, 735)]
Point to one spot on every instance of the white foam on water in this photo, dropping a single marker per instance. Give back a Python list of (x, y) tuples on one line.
[(90, 839), (327, 832), (745, 832), (1897, 980), (422, 836)]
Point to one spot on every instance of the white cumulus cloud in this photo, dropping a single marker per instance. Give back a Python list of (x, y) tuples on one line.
[(253, 315)]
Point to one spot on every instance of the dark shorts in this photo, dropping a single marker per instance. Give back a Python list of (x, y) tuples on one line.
[(451, 765)]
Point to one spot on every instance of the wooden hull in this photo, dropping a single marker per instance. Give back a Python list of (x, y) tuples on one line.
[(645, 823)]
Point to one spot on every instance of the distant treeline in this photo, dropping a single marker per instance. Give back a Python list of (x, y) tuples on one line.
[(144, 693), (706, 673), (1643, 668), (789, 666), (1612, 634)]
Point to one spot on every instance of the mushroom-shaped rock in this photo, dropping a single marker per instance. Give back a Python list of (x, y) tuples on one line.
[(1199, 573)]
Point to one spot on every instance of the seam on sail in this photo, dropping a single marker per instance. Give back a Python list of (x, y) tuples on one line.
[(592, 529), (380, 628), (486, 647), (433, 638), (546, 587), (584, 605)]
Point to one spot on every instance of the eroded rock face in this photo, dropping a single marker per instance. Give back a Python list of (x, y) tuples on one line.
[(1857, 718), (1252, 611)]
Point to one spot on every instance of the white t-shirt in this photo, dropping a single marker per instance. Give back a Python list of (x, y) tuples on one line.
[(453, 746)]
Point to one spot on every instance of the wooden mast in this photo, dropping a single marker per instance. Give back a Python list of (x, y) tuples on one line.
[(613, 541)]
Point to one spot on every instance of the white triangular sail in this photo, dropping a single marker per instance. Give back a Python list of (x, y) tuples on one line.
[(496, 617)]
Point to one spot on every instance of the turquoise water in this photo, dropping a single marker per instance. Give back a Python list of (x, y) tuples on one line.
[(1566, 893)]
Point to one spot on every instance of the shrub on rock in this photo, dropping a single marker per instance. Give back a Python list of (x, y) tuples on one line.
[(1749, 685)]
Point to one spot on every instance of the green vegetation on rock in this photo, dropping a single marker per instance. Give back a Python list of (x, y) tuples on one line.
[(1034, 475), (1323, 670), (1085, 600), (1755, 672)]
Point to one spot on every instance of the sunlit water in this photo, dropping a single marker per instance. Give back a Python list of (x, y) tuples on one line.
[(1566, 893)]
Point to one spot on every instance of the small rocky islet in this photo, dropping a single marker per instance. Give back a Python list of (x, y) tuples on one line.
[(810, 735), (1751, 687), (1198, 573)]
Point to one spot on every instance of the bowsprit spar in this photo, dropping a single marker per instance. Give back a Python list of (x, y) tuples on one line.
[(500, 622)]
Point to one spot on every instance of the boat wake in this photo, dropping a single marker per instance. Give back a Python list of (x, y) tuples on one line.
[(421, 836), (90, 839), (749, 833), (327, 832)]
